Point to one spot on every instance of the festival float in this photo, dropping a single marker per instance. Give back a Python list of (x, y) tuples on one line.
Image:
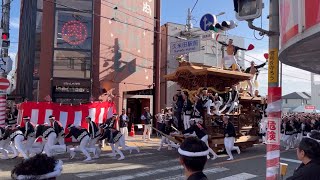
[(192, 77)]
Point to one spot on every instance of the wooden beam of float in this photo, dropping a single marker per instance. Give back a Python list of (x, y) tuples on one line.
[(193, 76)]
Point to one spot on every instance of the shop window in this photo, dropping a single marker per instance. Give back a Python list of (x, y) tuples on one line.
[(71, 64)]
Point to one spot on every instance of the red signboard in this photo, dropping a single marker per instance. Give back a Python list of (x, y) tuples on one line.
[(289, 19), (4, 84), (312, 13), (310, 107)]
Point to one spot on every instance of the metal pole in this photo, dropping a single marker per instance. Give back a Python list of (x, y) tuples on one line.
[(274, 97), (4, 53), (157, 59), (5, 21)]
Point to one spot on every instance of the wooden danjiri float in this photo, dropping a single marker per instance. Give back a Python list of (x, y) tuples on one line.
[(192, 77)]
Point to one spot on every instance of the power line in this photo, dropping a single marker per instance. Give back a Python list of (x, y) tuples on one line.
[(116, 8), (194, 5), (131, 10), (112, 19)]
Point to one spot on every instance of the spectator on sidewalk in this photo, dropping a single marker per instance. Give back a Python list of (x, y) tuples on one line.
[(124, 119), (309, 153), (193, 157), (38, 167)]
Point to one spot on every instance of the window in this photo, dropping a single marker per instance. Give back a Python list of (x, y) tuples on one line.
[(73, 30), (74, 5), (72, 64)]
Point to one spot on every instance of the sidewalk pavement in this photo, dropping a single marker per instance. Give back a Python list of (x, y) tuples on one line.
[(137, 140)]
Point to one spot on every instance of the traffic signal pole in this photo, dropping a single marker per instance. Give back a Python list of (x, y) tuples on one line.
[(5, 22), (274, 96)]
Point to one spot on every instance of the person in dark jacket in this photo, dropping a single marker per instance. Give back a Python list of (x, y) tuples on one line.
[(193, 157), (147, 118), (187, 110), (50, 148), (29, 133), (124, 120), (309, 153), (196, 127), (167, 128), (4, 144), (229, 137), (94, 133), (82, 136), (114, 138), (57, 126), (15, 135)]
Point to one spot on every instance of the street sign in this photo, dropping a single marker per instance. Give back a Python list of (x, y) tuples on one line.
[(4, 83), (207, 36), (184, 47), (207, 20)]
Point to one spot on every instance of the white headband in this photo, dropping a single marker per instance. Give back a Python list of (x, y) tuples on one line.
[(308, 136), (193, 154), (56, 172)]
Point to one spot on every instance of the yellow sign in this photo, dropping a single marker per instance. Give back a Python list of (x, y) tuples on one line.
[(273, 75)]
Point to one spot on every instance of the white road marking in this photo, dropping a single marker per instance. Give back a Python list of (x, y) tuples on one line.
[(241, 176), (146, 173), (109, 155), (108, 170), (291, 160), (206, 171)]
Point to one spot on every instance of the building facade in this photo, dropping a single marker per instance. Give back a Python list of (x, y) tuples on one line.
[(209, 54), (84, 46)]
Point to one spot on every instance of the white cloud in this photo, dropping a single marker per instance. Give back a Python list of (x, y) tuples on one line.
[(15, 23)]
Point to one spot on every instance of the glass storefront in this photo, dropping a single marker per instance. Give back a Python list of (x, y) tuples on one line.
[(72, 58)]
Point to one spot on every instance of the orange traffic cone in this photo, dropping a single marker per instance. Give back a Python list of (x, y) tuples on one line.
[(132, 131)]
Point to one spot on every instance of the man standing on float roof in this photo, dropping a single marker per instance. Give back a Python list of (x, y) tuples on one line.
[(230, 58)]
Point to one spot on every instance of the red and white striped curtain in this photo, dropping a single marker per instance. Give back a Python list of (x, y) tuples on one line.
[(39, 112)]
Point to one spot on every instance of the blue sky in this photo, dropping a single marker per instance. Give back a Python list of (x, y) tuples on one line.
[(176, 11)]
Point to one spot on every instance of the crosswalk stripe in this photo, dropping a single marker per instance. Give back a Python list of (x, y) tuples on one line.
[(206, 171), (291, 160), (146, 173), (241, 176), (108, 171)]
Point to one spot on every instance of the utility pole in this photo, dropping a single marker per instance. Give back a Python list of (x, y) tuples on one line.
[(274, 94), (274, 90)]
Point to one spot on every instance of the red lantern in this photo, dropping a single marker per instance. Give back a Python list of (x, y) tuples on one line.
[(266, 55)]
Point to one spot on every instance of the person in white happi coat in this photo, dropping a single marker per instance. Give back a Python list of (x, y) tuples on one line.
[(216, 103), (232, 98)]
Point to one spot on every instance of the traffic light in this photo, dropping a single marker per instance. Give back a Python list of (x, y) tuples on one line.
[(224, 26), (247, 9), (5, 40)]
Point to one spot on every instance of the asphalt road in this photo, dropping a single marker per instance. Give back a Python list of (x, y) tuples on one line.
[(151, 164)]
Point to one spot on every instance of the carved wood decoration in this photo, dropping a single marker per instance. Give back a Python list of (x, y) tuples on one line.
[(194, 76)]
